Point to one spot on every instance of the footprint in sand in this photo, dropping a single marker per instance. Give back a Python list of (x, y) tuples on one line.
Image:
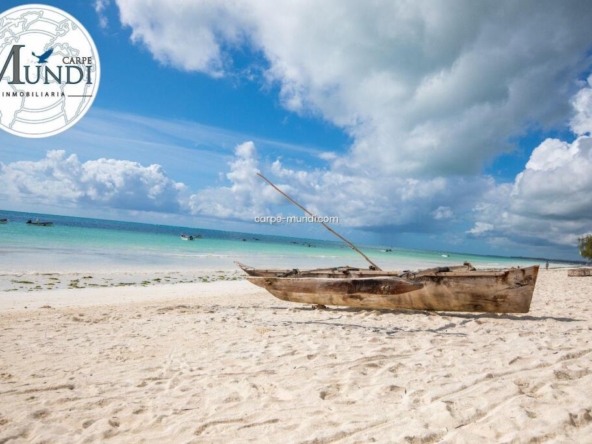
[(330, 392)]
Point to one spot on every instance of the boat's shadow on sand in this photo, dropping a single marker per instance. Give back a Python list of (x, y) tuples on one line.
[(443, 314), (337, 314)]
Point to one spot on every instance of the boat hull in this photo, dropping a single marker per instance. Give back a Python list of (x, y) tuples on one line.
[(580, 272), (505, 291)]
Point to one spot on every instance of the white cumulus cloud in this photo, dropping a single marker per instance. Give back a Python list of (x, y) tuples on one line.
[(64, 180), (368, 202), (100, 6), (423, 87), (246, 197), (442, 213), (581, 123), (551, 200)]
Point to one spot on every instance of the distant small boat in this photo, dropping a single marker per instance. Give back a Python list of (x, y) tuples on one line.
[(186, 238), (445, 255), (3, 221), (39, 223), (580, 272)]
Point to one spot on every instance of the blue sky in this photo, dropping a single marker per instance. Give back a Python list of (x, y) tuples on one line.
[(137, 84), (134, 84), (419, 126)]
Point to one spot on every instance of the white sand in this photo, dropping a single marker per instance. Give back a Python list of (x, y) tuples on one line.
[(226, 362)]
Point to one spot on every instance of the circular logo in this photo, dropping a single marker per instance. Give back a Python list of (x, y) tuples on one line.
[(49, 71)]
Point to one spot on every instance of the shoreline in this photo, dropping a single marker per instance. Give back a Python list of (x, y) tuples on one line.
[(28, 281), (34, 281), (37, 245)]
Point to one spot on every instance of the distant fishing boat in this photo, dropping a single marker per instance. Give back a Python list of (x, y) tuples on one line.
[(3, 221), (190, 237), (445, 255), (39, 223)]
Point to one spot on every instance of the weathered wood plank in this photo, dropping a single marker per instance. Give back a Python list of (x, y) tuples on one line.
[(579, 272), (350, 272), (506, 291)]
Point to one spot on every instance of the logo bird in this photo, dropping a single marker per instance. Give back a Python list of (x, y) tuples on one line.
[(43, 57)]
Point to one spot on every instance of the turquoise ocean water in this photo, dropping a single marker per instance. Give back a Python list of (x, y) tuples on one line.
[(75, 244)]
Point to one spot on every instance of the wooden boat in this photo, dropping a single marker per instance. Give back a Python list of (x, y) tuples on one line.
[(457, 288), (579, 272), (39, 223), (190, 237), (3, 221)]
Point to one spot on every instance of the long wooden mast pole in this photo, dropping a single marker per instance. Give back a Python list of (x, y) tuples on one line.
[(317, 219)]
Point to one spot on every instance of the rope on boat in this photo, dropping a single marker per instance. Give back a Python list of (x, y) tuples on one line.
[(373, 265)]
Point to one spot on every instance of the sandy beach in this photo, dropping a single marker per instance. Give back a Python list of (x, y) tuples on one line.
[(212, 359)]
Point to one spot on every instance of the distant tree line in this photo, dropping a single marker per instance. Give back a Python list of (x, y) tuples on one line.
[(585, 245)]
